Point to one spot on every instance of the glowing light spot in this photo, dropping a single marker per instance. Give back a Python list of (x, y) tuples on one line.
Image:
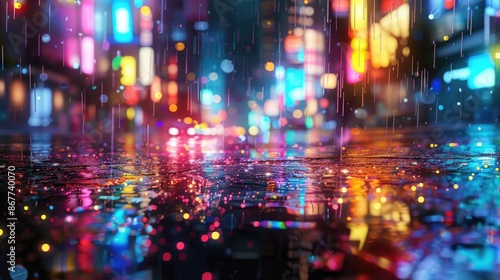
[(378, 190), (297, 114), (180, 246), (185, 216), (43, 217), (253, 130), (173, 108), (190, 76), (421, 199), (180, 46), (340, 200), (174, 131), (455, 186), (413, 188), (167, 256), (377, 205), (213, 76), (26, 208), (479, 144), (383, 199), (206, 276), (344, 189), (269, 66), (45, 247), (471, 178), (204, 238), (215, 235), (1, 232)]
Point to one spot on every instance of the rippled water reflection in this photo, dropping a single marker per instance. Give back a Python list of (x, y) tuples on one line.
[(365, 204)]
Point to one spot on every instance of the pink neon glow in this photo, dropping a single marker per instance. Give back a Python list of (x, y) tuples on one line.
[(88, 55), (351, 75), (88, 17), (71, 53)]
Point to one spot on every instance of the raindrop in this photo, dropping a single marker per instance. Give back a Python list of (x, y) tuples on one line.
[(227, 66), (45, 38)]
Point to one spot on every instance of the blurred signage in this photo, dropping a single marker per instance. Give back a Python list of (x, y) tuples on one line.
[(122, 22), (479, 73)]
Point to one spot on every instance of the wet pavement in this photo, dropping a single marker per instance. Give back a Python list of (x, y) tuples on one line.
[(404, 203)]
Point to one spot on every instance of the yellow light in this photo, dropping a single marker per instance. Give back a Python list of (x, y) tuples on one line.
[(130, 113), (413, 188), (340, 200), (188, 120), (497, 55), (471, 178), (383, 199), (145, 11), (17, 93), (377, 205), (185, 216), (240, 131), (446, 38), (344, 189), (43, 217), (253, 130), (1, 232), (180, 46), (378, 190), (269, 66), (26, 208), (96, 207), (358, 15), (359, 44), (216, 119), (297, 114), (58, 100), (128, 65), (328, 81), (421, 199), (358, 61), (455, 186), (45, 247), (158, 96), (172, 108), (406, 51), (17, 5), (215, 235)]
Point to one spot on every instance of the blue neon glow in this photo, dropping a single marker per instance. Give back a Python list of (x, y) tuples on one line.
[(206, 97), (295, 80), (265, 123), (122, 22), (482, 71), (41, 107)]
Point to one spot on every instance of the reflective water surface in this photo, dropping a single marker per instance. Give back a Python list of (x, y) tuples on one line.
[(354, 204)]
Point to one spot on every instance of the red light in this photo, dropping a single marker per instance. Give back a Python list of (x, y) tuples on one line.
[(207, 276), (449, 4), (180, 246)]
